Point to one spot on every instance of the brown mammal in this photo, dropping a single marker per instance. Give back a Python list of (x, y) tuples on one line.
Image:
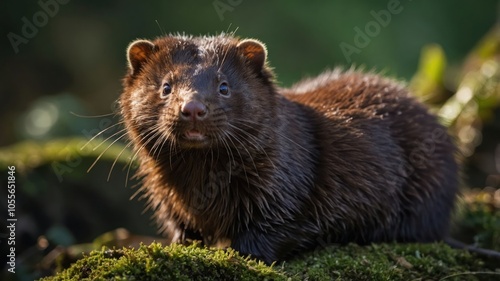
[(344, 157)]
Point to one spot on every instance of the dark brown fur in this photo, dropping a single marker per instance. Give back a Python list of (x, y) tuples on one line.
[(344, 157)]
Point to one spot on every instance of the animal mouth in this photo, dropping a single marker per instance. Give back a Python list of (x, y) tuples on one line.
[(194, 135)]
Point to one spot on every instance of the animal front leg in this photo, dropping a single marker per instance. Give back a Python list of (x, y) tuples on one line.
[(258, 244)]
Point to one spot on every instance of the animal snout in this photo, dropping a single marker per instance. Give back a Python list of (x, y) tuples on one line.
[(194, 110)]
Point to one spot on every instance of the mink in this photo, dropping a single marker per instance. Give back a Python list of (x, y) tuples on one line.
[(229, 157)]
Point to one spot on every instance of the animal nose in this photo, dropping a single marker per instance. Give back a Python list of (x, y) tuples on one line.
[(194, 110)]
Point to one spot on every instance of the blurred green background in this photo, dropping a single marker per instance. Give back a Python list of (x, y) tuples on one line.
[(62, 64)]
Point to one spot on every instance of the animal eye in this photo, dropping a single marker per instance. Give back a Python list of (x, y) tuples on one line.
[(223, 89), (167, 89)]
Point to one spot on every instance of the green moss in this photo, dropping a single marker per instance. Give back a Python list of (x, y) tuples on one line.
[(174, 262), (394, 261), (30, 154), (390, 262), (481, 220), (351, 262)]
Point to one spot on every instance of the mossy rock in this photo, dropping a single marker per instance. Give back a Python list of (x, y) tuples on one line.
[(352, 262)]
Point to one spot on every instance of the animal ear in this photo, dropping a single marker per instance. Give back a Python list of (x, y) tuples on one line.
[(254, 52), (137, 54)]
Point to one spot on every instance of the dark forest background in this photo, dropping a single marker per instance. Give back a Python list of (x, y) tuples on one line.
[(62, 64)]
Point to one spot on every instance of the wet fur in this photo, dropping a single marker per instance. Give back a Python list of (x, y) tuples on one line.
[(344, 157)]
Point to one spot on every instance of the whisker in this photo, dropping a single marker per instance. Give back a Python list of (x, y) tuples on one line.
[(91, 116), (230, 153), (165, 139), (137, 151), (254, 142), (116, 159), (225, 52), (228, 136), (105, 140), (100, 133), (102, 153), (249, 122), (155, 152)]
